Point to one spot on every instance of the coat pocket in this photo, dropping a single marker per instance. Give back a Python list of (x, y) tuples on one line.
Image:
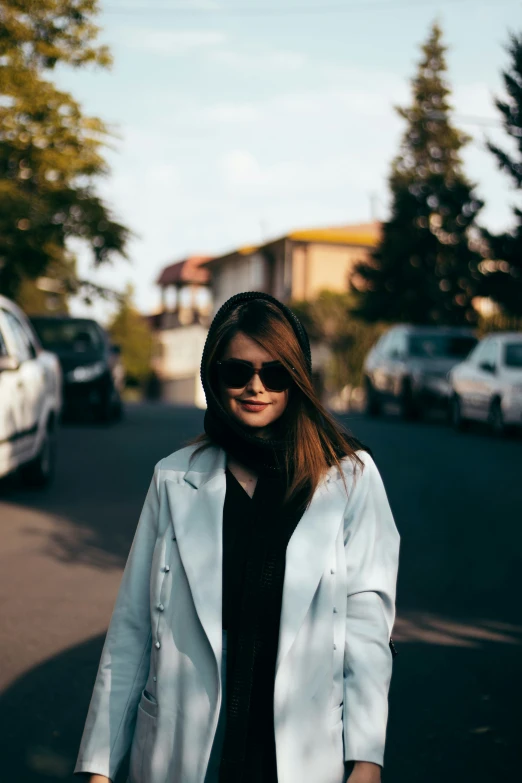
[(148, 704), (143, 738)]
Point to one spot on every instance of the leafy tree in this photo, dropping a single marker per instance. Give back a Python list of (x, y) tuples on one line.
[(425, 269), (329, 321), (50, 153), (130, 330), (503, 281)]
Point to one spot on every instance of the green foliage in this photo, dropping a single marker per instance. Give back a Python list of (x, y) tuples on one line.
[(130, 330), (329, 320), (503, 280), (500, 322), (425, 269), (50, 153)]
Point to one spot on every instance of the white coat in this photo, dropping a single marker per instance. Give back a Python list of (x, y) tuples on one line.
[(158, 688)]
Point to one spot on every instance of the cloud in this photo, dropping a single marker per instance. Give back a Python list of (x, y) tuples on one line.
[(260, 60), (240, 168), (172, 43), (233, 113)]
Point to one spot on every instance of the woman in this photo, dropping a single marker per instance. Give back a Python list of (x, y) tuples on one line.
[(250, 638)]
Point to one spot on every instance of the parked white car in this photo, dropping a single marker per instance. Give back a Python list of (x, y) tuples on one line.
[(30, 399), (487, 386)]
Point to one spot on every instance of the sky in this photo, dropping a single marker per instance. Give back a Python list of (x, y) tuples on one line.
[(236, 121)]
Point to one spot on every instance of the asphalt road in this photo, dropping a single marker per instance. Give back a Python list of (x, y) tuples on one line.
[(456, 696)]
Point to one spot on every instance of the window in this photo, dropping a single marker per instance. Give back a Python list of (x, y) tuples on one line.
[(77, 335), (24, 346), (440, 346), (513, 355)]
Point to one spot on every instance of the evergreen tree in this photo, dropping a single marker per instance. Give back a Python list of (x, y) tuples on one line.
[(503, 280), (50, 153), (130, 330), (328, 320), (424, 270)]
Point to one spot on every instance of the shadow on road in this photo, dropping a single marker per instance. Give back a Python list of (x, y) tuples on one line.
[(101, 481), (436, 690)]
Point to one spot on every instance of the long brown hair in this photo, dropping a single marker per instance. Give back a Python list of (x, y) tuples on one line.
[(316, 441)]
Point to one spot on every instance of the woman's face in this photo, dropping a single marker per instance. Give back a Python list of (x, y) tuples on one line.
[(253, 405)]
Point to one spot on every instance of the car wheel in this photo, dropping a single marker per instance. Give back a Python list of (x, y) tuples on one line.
[(496, 418), (40, 471), (372, 405), (409, 407), (458, 422)]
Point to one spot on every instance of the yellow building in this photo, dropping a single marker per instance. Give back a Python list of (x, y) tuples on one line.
[(296, 266)]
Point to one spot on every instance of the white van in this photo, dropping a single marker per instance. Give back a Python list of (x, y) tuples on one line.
[(30, 399)]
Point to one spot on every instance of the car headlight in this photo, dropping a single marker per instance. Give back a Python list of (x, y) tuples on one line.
[(86, 372)]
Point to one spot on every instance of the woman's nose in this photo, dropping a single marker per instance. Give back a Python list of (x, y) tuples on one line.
[(256, 385)]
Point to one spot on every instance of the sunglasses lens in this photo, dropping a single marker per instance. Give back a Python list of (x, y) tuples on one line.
[(276, 378), (235, 375)]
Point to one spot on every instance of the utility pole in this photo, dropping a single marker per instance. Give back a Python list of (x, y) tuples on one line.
[(373, 206)]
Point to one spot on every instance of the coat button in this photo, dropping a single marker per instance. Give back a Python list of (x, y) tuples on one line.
[(160, 607), (157, 645), (154, 679), (332, 571), (167, 568), (335, 647), (335, 610)]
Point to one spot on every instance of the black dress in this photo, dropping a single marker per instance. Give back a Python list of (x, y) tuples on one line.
[(256, 532)]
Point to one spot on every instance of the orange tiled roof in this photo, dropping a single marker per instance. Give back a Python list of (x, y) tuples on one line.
[(189, 270)]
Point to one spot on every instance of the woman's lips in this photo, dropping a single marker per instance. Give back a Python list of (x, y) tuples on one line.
[(253, 407)]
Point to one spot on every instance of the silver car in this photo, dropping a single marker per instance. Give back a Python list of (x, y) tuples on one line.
[(488, 385), (30, 399), (409, 365)]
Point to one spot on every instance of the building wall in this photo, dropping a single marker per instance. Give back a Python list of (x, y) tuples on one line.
[(177, 362), (287, 269), (239, 273), (319, 266)]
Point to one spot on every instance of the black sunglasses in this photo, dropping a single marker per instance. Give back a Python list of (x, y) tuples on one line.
[(236, 374)]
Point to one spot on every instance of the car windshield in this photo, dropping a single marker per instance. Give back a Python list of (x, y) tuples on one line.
[(77, 336), (514, 355), (441, 346)]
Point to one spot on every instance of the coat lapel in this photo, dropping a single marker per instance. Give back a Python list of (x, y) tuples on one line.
[(306, 558), (196, 509)]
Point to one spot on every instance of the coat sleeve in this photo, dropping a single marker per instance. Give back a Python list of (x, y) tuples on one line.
[(371, 548), (124, 663)]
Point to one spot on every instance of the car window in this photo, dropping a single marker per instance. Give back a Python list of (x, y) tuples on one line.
[(24, 345), (513, 355), (77, 336), (441, 346)]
